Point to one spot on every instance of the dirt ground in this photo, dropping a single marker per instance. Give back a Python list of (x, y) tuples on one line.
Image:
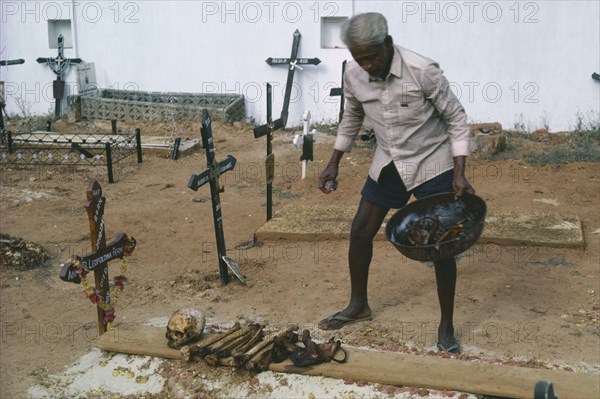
[(523, 305)]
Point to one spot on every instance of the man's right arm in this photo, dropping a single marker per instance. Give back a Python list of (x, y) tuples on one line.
[(346, 136), (351, 122)]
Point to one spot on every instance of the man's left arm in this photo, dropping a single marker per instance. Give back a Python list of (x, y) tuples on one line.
[(437, 90)]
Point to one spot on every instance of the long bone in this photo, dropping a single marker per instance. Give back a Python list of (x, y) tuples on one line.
[(188, 351), (257, 354), (224, 351)]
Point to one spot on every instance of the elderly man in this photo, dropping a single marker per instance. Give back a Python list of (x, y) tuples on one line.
[(422, 143)]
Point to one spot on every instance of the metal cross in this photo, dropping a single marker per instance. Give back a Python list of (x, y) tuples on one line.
[(211, 175), (294, 63), (59, 66)]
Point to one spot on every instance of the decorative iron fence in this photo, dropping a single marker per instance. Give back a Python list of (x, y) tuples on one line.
[(50, 148)]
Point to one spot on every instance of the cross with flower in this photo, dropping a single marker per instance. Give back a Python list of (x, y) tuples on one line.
[(120, 248)]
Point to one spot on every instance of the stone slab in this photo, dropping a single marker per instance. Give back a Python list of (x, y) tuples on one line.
[(152, 144), (322, 222)]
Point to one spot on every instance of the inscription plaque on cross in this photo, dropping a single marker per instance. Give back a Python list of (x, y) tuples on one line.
[(211, 176), (59, 66), (102, 253)]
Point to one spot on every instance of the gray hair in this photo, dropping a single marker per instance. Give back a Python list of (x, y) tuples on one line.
[(364, 29)]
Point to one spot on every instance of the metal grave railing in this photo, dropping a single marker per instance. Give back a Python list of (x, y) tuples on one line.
[(53, 148)]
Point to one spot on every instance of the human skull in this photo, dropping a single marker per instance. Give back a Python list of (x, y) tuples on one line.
[(184, 326)]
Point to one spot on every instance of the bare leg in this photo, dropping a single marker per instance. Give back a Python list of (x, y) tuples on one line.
[(365, 226), (445, 275)]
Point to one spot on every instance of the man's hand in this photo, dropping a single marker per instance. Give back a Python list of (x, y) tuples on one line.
[(460, 183), (327, 182), (461, 186)]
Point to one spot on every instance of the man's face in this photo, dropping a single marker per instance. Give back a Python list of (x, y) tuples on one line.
[(375, 59)]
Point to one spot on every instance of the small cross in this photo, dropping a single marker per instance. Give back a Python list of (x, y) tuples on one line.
[(59, 66), (306, 140), (294, 63), (102, 253), (270, 159), (211, 176)]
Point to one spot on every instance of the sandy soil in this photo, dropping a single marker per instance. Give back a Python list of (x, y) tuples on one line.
[(513, 303)]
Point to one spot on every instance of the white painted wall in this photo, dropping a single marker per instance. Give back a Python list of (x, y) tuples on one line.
[(516, 62)]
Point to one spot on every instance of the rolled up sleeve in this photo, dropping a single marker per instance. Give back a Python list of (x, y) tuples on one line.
[(351, 122)]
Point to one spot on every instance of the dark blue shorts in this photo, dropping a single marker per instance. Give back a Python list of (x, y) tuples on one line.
[(389, 191)]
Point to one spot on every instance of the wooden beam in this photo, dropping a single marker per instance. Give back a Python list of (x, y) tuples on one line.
[(389, 368), (448, 374)]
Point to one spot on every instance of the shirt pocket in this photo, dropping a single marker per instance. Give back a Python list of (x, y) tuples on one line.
[(409, 107)]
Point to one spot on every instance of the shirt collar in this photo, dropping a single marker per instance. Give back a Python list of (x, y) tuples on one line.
[(395, 68)]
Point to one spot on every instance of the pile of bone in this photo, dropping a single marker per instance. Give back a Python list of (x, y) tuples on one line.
[(249, 346), (429, 231)]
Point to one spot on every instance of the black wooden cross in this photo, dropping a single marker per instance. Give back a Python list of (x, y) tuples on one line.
[(102, 253), (339, 91), (270, 160), (211, 175), (59, 66), (293, 63), (2, 102)]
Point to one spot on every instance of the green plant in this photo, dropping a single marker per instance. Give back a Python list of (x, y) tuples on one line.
[(519, 125), (23, 105), (581, 146), (587, 122)]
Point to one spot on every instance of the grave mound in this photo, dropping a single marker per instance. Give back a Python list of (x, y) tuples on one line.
[(17, 253)]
